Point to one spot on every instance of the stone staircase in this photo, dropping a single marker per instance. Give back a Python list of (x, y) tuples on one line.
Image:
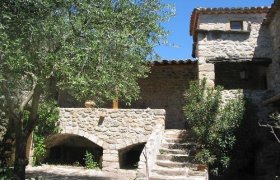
[(174, 161)]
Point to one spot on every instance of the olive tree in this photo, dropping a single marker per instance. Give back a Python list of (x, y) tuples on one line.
[(95, 49)]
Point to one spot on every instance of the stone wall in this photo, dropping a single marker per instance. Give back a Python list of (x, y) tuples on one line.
[(114, 130), (255, 96), (274, 73), (216, 40), (164, 89)]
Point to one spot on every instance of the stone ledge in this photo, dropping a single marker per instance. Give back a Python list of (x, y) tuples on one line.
[(246, 32)]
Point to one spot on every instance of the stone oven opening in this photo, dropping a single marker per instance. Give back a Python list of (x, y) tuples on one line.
[(130, 156), (69, 149)]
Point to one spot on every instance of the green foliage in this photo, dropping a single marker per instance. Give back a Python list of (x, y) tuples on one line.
[(93, 49), (6, 173), (275, 119), (89, 161), (48, 119), (39, 149), (213, 123)]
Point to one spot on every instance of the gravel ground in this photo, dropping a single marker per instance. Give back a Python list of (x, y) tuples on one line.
[(54, 172)]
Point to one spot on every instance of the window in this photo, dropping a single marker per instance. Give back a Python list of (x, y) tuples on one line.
[(236, 25)]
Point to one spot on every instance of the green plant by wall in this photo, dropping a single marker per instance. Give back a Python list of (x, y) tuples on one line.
[(213, 124), (48, 119), (89, 161)]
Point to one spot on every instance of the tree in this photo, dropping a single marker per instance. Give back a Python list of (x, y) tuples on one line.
[(94, 49)]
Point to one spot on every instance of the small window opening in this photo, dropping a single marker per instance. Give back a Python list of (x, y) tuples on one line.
[(236, 25)]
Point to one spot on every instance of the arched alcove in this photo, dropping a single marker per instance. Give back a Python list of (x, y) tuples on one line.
[(129, 156), (70, 149)]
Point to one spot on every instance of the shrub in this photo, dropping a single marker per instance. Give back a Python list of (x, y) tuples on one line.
[(48, 119), (89, 161), (213, 123)]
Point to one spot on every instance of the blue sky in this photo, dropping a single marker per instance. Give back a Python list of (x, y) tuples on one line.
[(179, 25)]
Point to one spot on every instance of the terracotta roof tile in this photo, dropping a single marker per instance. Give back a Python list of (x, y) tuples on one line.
[(173, 62)]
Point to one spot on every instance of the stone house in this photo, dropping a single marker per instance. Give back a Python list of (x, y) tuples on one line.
[(237, 48), (232, 46)]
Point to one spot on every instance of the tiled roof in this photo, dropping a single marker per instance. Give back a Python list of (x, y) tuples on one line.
[(273, 10), (173, 62), (240, 10)]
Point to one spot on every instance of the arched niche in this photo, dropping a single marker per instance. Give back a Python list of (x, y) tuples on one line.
[(129, 156), (70, 149)]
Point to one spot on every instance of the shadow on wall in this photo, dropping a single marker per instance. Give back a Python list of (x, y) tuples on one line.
[(214, 35), (256, 154), (264, 43), (241, 75), (164, 89)]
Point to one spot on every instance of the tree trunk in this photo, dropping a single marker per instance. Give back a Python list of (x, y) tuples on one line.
[(6, 146), (23, 133), (20, 155), (20, 160)]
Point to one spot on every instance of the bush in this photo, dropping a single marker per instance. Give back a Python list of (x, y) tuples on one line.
[(89, 161), (213, 124), (48, 119)]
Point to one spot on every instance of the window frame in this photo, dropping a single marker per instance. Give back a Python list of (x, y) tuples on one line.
[(232, 27)]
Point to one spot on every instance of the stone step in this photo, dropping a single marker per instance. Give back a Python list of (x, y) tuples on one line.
[(170, 171), (171, 164), (175, 158), (160, 177), (197, 173), (175, 151), (178, 145), (174, 131), (177, 140), (180, 135)]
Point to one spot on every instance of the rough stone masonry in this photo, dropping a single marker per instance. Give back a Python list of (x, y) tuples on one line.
[(114, 130)]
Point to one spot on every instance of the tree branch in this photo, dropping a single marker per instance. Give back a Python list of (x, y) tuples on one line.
[(272, 131), (9, 100), (31, 93), (33, 117), (76, 32)]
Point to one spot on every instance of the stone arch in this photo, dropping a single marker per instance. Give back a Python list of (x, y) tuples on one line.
[(132, 142), (90, 136), (129, 156), (69, 149)]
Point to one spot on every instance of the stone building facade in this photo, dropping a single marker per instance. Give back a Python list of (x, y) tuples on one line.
[(238, 48), (229, 42), (165, 88), (273, 23)]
